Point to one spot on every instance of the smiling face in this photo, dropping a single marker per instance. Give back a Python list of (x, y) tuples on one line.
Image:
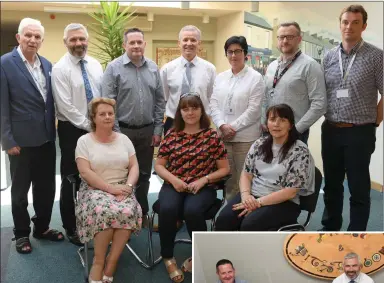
[(30, 39), (278, 127), (352, 27), (135, 45), (352, 268), (189, 44), (77, 43), (104, 116), (226, 273)]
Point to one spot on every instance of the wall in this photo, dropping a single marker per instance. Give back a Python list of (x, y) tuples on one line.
[(164, 28), (227, 26), (256, 257)]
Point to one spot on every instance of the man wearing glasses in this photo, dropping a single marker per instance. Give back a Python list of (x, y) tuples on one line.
[(295, 79)]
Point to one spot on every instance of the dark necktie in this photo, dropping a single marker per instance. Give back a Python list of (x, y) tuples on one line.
[(352, 281), (87, 85), (186, 86)]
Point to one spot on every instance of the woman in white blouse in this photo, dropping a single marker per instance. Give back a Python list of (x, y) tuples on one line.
[(236, 107)]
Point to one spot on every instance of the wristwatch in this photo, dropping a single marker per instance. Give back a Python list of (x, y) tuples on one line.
[(259, 201), (130, 185)]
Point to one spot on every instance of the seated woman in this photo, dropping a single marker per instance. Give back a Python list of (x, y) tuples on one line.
[(107, 209), (191, 157), (278, 169)]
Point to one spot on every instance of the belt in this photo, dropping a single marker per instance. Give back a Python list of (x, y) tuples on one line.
[(133, 127), (346, 125)]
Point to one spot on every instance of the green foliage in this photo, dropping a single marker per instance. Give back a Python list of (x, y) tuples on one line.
[(109, 30)]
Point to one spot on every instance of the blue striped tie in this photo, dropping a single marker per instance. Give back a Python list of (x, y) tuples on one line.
[(186, 86), (87, 85)]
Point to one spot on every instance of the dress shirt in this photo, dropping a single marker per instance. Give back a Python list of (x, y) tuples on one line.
[(362, 278), (363, 82), (36, 72), (203, 76), (247, 90), (137, 90), (237, 280), (302, 87), (69, 91)]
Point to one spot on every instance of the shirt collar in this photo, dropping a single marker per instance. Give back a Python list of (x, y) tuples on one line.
[(75, 60), (241, 73), (127, 60), (354, 48), (37, 62), (184, 61), (280, 59), (357, 279)]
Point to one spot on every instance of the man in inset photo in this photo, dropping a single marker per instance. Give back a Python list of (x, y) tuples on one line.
[(226, 272), (352, 271)]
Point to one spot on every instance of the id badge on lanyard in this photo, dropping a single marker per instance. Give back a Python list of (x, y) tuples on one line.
[(229, 105), (343, 92)]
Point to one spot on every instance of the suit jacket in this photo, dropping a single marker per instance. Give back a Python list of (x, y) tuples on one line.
[(26, 120)]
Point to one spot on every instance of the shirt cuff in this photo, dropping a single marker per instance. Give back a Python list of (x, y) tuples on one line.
[(158, 130)]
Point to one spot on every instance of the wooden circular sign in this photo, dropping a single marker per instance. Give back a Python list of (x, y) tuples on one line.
[(322, 255)]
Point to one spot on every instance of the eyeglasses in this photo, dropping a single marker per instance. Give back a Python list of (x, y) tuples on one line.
[(189, 94), (236, 52), (288, 37)]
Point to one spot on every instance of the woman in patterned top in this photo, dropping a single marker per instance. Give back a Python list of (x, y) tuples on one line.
[(191, 157), (278, 169)]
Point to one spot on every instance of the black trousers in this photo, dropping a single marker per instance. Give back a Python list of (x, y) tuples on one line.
[(68, 136), (265, 218), (168, 124), (174, 206), (347, 150), (36, 165), (142, 140)]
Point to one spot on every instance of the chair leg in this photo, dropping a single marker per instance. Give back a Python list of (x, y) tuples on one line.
[(150, 246), (84, 260)]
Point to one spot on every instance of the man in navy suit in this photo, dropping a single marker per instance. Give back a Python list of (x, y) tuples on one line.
[(28, 134)]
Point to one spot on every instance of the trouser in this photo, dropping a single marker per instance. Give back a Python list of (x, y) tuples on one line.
[(142, 140), (168, 124), (174, 206), (347, 150), (68, 136), (265, 218), (36, 165), (237, 152)]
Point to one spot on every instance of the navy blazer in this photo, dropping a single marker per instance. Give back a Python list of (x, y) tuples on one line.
[(26, 120)]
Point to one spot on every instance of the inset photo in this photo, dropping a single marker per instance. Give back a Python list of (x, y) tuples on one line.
[(288, 257)]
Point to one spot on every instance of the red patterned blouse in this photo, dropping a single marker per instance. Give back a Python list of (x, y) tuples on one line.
[(192, 156)]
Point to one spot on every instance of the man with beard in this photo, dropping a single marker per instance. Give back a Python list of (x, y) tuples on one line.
[(188, 73), (226, 272), (76, 79), (352, 267), (295, 79)]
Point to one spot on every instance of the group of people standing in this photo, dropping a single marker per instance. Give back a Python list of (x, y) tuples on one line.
[(109, 123)]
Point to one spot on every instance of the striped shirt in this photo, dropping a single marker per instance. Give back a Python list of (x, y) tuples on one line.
[(365, 78)]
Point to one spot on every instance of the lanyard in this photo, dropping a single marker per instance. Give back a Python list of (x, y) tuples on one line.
[(277, 78), (232, 89), (345, 75)]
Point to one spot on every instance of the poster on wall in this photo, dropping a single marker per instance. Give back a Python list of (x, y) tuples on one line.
[(322, 255), (167, 54)]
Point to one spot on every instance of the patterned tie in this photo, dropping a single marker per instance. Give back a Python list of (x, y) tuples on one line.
[(87, 85), (186, 86)]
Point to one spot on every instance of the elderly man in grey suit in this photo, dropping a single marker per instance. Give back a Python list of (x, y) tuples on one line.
[(28, 134)]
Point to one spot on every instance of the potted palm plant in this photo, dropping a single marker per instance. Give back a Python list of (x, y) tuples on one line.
[(109, 30)]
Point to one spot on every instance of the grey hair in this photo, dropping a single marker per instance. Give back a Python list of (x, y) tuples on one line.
[(288, 24), (74, 26), (190, 28), (30, 22), (352, 255)]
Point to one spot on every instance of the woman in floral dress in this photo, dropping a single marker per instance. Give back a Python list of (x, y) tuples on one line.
[(107, 209)]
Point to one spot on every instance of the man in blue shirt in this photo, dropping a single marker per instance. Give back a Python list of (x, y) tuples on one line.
[(226, 272)]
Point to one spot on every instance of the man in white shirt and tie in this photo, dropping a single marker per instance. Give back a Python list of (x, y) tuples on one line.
[(188, 73), (76, 79), (352, 271)]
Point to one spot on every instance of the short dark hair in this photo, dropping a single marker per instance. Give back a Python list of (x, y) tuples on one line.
[(132, 30), (288, 24), (222, 262), (355, 9), (240, 40), (190, 101)]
